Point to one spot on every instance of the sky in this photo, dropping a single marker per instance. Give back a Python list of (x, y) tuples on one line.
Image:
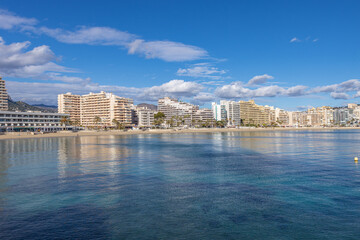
[(288, 54)]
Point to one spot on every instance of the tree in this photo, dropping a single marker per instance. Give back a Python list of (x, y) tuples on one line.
[(220, 124), (97, 120), (118, 125), (65, 121), (159, 118)]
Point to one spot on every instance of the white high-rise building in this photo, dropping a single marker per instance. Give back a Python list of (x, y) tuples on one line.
[(3, 96), (219, 112), (232, 112)]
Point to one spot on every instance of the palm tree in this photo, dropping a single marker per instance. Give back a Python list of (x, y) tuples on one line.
[(97, 120), (116, 123), (65, 121)]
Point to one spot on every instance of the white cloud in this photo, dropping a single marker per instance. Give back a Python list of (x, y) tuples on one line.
[(47, 92), (90, 35), (213, 83), (298, 90), (173, 88), (238, 90), (17, 61), (203, 70), (337, 95), (9, 20), (307, 39), (346, 86), (260, 79), (202, 98), (294, 39), (166, 50)]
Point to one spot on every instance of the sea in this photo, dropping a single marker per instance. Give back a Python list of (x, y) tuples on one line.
[(233, 185)]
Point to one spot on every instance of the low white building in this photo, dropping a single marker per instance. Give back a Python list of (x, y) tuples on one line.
[(31, 121)]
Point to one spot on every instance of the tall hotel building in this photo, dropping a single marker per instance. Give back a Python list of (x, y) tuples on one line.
[(70, 104), (96, 109), (252, 113), (3, 96), (232, 112)]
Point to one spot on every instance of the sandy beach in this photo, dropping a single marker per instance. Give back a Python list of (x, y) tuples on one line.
[(163, 131)]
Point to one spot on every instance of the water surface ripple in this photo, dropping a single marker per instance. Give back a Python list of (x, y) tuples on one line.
[(243, 185)]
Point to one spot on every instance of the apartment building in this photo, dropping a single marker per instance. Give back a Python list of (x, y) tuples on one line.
[(297, 119), (96, 109), (175, 108), (100, 109), (145, 117), (219, 112), (252, 113), (203, 115), (281, 117), (232, 109), (70, 104), (22, 121), (341, 116), (3, 96)]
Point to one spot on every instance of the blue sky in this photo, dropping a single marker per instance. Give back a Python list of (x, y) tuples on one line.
[(289, 54)]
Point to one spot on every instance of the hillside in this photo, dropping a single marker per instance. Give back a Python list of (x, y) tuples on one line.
[(23, 107), (149, 106)]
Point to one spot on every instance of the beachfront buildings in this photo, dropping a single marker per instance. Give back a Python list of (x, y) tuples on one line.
[(175, 108), (232, 109), (97, 109), (144, 117), (70, 104), (281, 117), (253, 114), (3, 96), (32, 121), (203, 115), (219, 112)]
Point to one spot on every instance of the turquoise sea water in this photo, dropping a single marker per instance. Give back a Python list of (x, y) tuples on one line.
[(247, 185)]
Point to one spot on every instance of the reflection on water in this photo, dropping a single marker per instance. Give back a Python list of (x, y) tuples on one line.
[(248, 185), (90, 154)]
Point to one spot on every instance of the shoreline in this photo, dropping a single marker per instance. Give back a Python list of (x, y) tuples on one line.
[(166, 131)]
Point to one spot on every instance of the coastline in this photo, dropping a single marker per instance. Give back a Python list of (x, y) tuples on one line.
[(166, 131)]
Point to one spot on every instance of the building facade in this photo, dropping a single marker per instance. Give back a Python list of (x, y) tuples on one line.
[(32, 121), (341, 116), (96, 109), (281, 117), (232, 109), (253, 114), (219, 112), (173, 108), (3, 96), (100, 109), (70, 104), (203, 115), (145, 117)]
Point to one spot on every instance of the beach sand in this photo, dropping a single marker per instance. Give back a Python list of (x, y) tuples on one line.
[(162, 131)]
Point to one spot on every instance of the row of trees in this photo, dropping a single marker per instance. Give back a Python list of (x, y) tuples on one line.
[(65, 121), (175, 121)]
